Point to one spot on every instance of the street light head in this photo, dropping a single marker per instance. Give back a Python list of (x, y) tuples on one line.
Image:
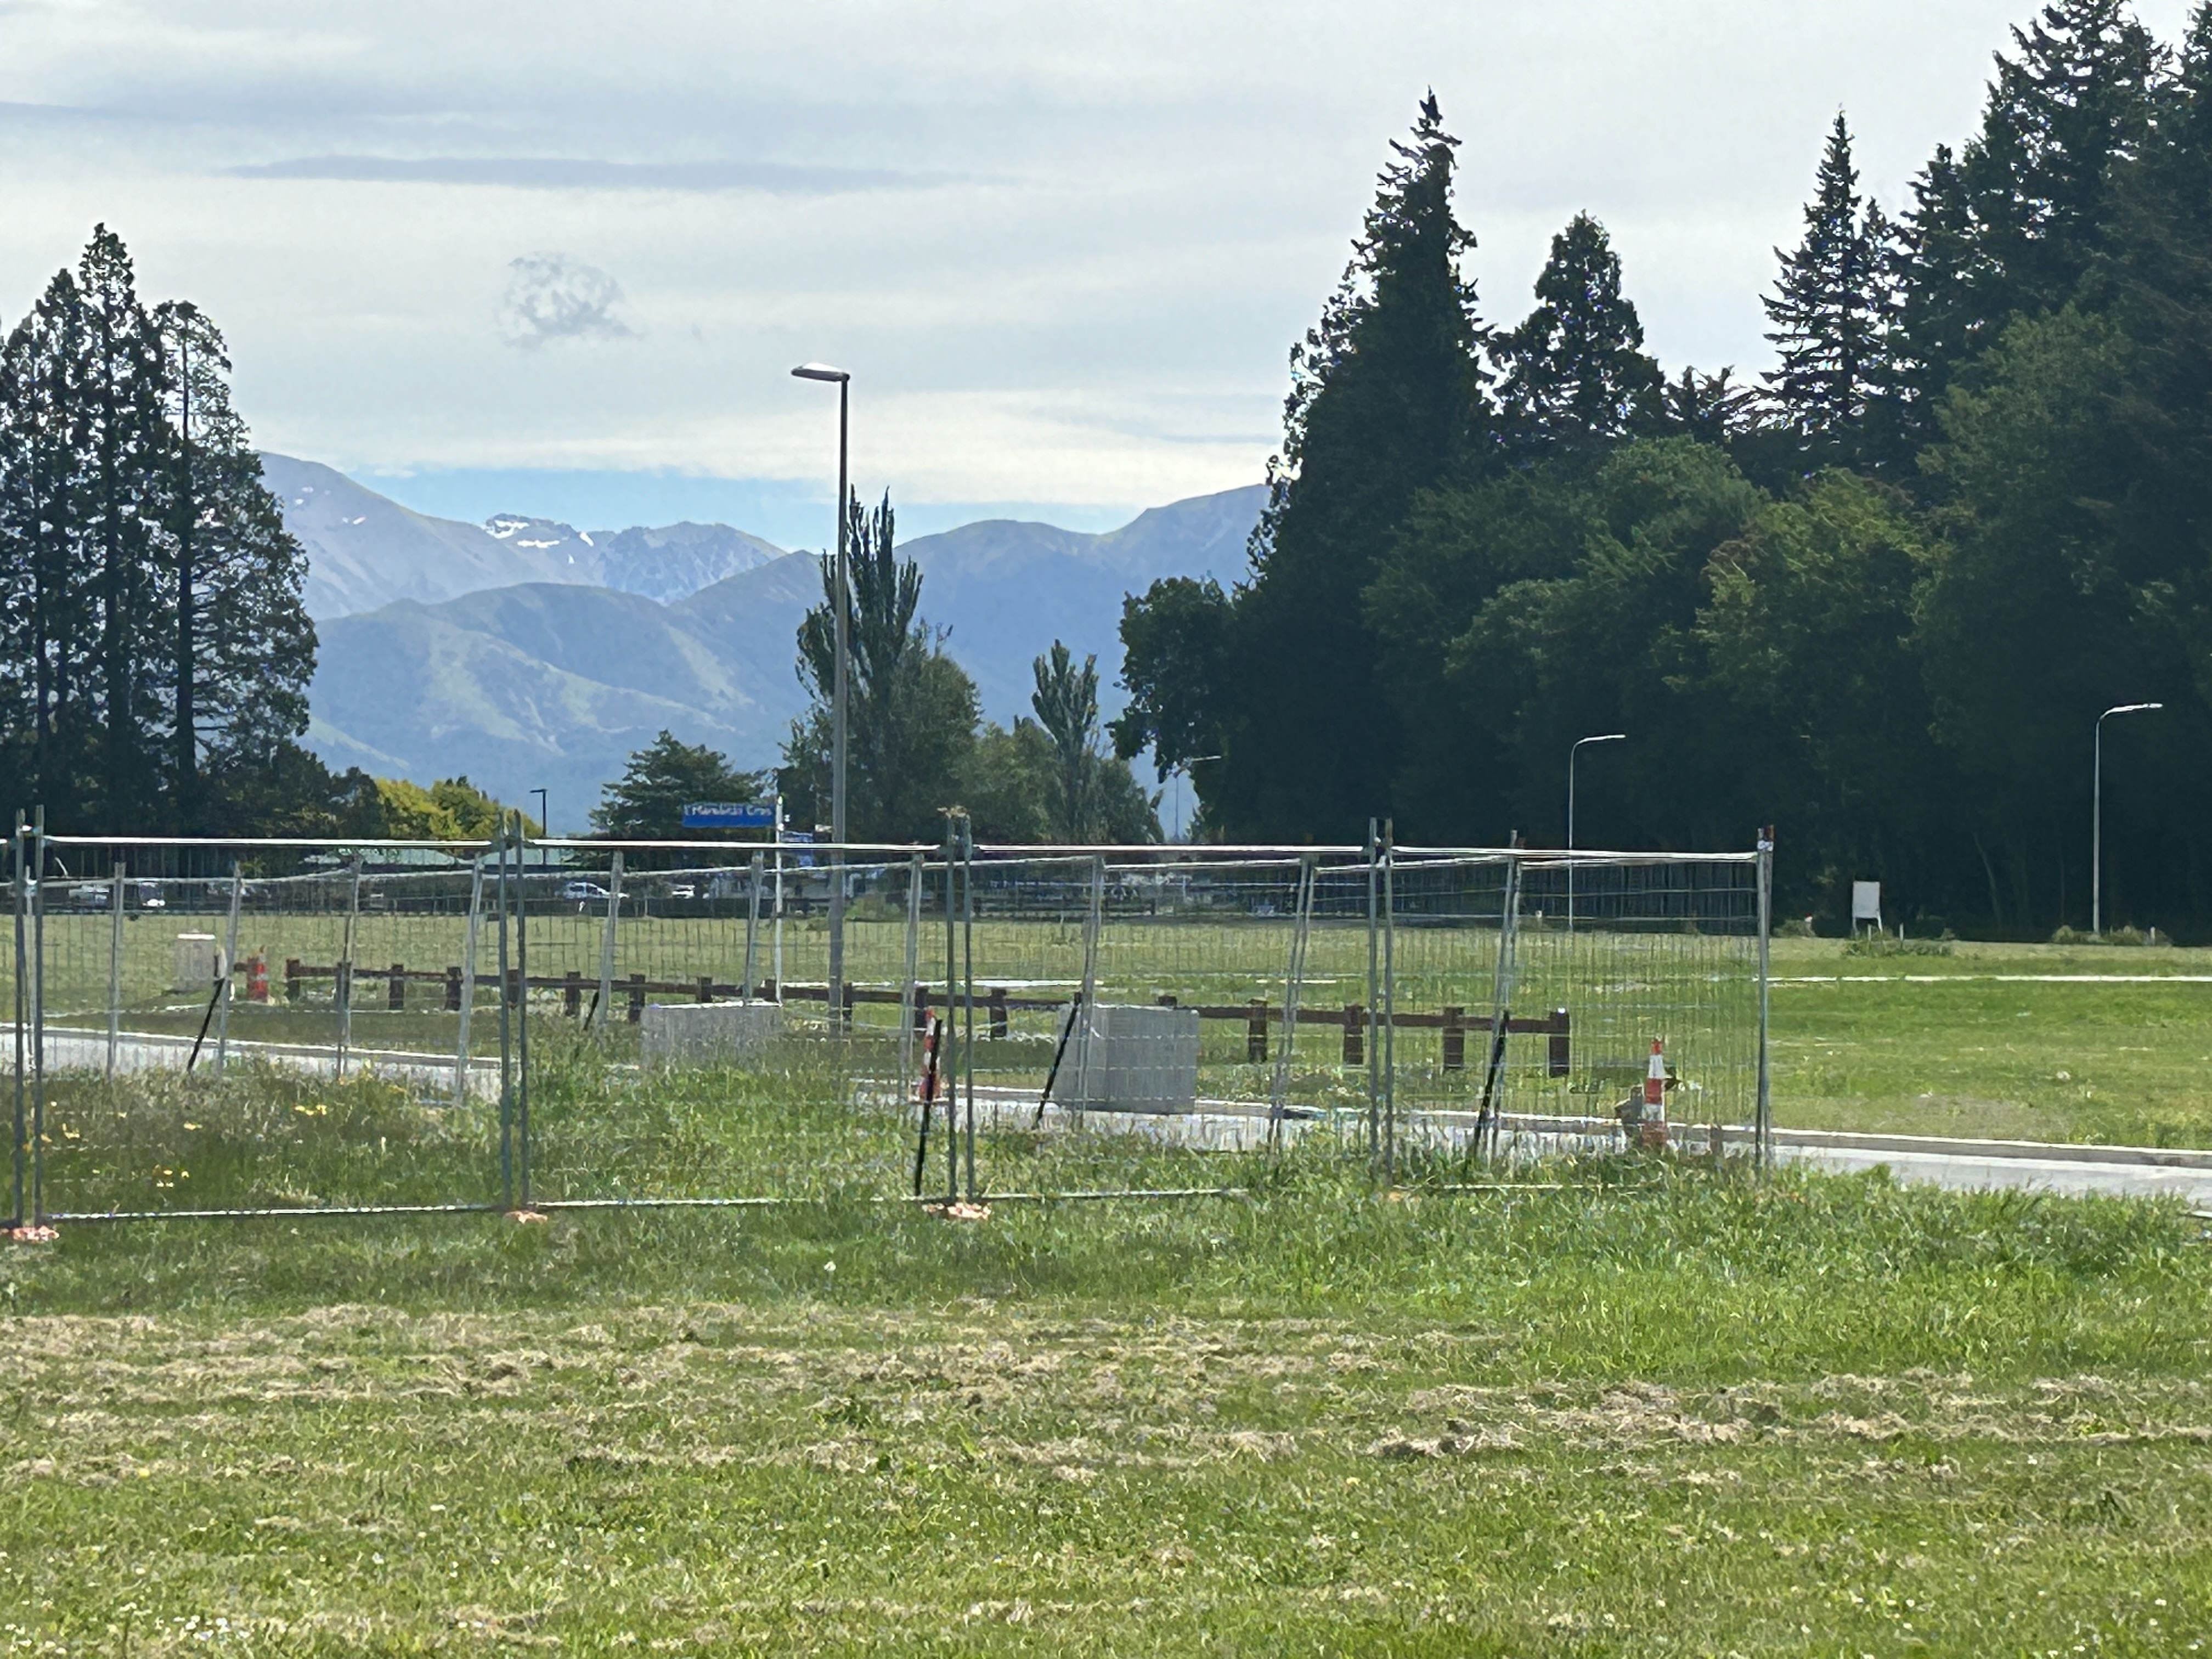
[(821, 372)]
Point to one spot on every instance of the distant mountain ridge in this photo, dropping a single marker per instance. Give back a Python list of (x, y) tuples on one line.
[(550, 681), (365, 550)]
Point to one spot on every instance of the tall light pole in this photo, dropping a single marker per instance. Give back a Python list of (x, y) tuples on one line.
[(836, 986), (2097, 814), (544, 824), (1573, 750)]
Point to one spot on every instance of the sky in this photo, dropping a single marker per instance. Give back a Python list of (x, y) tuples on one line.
[(559, 258)]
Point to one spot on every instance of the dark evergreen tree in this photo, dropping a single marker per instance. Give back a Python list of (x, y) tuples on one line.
[(1829, 311), (2075, 100), (658, 780), (122, 458), (1386, 399), (2008, 227), (240, 649), (46, 626), (1573, 377)]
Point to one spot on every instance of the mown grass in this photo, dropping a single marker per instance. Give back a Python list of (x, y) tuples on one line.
[(1624, 1406), (1941, 1045)]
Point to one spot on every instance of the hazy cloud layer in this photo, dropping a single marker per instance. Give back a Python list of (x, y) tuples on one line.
[(568, 172), (1064, 249)]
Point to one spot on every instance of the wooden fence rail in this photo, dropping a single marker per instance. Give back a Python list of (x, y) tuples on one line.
[(995, 1004)]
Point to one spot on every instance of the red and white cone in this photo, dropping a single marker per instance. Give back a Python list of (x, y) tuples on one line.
[(1654, 1121)]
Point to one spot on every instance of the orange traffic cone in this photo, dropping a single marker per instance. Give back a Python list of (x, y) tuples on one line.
[(1655, 1097), (257, 979)]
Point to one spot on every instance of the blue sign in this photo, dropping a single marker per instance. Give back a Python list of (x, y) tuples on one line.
[(729, 815)]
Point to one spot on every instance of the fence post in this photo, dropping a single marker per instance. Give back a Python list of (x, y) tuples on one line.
[(1293, 981), (115, 892), (1488, 1120), (1374, 993), (1558, 1054), (22, 896), (463, 991), (1387, 1033), (39, 1019), (1763, 1121), (522, 1018), (505, 1036), (995, 1002), (572, 993), (753, 921), (1355, 1018), (705, 991), (1094, 924), (1455, 1020), (1255, 1030), (906, 980), (453, 989), (229, 970), (948, 1031), (604, 1006), (636, 998), (968, 982), (346, 966)]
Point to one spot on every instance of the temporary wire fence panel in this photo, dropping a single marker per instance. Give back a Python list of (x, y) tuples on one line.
[(253, 1026), (340, 1009)]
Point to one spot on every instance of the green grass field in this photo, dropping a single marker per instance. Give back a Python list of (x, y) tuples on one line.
[(1656, 1409), (1620, 1405)]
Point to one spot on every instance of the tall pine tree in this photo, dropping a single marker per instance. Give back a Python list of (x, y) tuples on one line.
[(2008, 227), (1574, 376), (1386, 400), (1829, 311), (153, 652), (238, 649)]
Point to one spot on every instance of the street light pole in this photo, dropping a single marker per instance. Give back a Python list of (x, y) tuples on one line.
[(1573, 750), (544, 824), (837, 701), (2097, 814)]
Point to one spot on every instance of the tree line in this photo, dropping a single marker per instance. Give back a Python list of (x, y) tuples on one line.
[(154, 654), (1878, 599)]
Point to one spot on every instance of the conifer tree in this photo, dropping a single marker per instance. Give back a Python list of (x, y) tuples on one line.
[(239, 649), (1386, 399), (1830, 310), (2073, 100), (121, 447), (1574, 375), (45, 598), (2009, 226)]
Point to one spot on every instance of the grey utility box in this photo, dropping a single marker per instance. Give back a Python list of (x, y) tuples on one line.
[(1131, 1058), (707, 1033)]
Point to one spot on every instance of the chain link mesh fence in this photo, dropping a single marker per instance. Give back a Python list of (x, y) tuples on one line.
[(226, 1029)]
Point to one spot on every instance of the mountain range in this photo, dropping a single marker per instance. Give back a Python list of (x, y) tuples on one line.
[(526, 653)]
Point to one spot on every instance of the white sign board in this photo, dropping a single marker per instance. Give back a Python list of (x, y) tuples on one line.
[(1866, 903)]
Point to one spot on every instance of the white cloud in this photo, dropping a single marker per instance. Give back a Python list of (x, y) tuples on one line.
[(1064, 249), (550, 296)]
